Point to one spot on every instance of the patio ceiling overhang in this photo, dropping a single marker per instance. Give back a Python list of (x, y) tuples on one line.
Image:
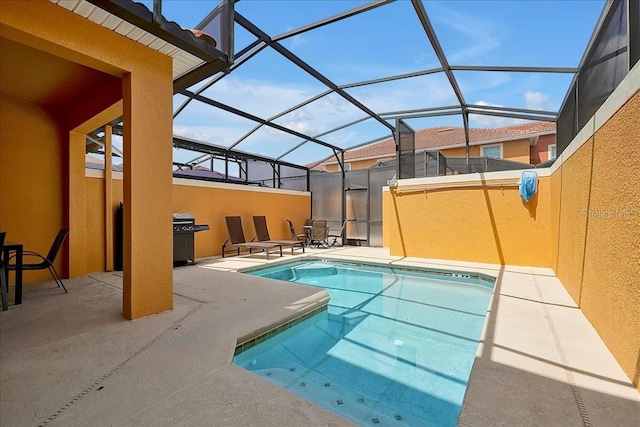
[(194, 59)]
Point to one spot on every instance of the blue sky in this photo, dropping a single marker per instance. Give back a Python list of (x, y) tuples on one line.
[(383, 42)]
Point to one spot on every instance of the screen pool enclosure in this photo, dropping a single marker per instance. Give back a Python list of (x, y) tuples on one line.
[(264, 43)]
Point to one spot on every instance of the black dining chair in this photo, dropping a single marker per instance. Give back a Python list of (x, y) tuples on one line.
[(3, 279), (47, 262)]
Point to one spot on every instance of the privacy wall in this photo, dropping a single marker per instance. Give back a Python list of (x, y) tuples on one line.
[(209, 202), (474, 217)]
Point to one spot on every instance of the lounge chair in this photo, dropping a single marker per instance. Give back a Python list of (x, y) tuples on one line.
[(262, 234), (236, 238), (47, 262)]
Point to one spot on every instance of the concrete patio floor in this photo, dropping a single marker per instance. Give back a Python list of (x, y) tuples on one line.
[(73, 360)]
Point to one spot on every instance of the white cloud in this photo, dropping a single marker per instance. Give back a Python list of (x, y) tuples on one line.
[(479, 34), (302, 127), (491, 121), (536, 100), (297, 41)]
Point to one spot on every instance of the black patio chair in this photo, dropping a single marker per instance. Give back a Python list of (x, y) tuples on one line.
[(47, 262)]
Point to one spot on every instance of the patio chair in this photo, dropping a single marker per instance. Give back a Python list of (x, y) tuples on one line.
[(236, 238), (303, 236), (47, 262), (319, 233), (4, 286), (337, 234), (262, 234)]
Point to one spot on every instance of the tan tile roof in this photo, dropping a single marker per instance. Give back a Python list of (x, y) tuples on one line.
[(447, 136)]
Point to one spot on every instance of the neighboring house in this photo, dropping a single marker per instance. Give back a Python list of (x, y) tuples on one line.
[(530, 143)]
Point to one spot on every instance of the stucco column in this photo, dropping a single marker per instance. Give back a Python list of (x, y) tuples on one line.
[(77, 204), (148, 234)]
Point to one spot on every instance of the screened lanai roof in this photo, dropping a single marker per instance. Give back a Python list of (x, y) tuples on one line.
[(311, 79)]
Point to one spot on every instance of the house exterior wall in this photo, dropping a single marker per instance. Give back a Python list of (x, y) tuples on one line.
[(516, 150), (495, 226), (540, 151), (32, 206), (574, 198), (598, 255), (146, 90)]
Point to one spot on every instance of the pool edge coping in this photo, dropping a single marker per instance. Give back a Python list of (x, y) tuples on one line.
[(260, 335), (469, 273)]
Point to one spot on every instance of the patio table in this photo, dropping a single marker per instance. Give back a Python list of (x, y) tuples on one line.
[(18, 249), (308, 231)]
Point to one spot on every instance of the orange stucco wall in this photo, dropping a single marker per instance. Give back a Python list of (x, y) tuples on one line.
[(33, 169), (209, 203), (598, 245), (517, 151), (575, 176), (481, 224)]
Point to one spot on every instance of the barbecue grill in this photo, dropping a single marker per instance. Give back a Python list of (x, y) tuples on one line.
[(184, 227)]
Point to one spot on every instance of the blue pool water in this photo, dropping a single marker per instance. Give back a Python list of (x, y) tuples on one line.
[(394, 347)]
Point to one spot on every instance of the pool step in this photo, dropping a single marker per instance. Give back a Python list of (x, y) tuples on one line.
[(337, 397), (315, 269)]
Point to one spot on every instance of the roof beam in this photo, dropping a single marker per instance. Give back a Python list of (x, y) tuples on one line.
[(512, 115), (323, 134), (437, 48), (285, 112), (425, 115), (203, 147), (373, 141), (257, 46), (392, 78), (332, 19), (568, 70), (249, 26), (257, 119), (249, 48), (420, 110), (515, 110), (438, 111)]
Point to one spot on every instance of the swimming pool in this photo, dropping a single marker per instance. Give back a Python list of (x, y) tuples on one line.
[(394, 347)]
